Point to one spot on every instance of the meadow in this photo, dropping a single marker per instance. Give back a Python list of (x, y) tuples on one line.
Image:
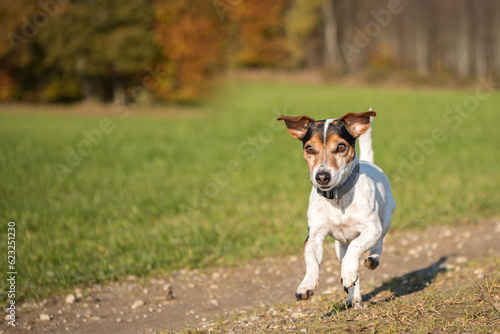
[(99, 196)]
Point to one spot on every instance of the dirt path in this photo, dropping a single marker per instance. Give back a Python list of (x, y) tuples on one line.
[(192, 297)]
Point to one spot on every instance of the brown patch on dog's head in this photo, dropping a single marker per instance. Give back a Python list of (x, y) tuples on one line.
[(312, 147), (342, 150)]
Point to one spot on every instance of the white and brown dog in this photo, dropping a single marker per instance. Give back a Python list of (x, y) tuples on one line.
[(351, 200)]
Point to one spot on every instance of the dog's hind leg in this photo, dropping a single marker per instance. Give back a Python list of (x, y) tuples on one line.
[(373, 260), (354, 298)]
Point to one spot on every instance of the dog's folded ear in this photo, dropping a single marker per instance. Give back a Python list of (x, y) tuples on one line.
[(357, 123), (297, 125)]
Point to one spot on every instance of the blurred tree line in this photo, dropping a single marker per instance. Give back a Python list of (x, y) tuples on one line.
[(109, 50)]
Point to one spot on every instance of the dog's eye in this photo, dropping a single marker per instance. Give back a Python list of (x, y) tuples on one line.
[(309, 149), (341, 148)]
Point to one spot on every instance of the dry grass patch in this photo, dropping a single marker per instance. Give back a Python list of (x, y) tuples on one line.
[(443, 299)]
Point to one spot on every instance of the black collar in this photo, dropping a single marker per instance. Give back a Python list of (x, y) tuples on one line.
[(339, 191)]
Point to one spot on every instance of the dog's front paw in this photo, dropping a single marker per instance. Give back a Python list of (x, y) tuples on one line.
[(348, 279), (371, 263), (304, 295), (306, 289)]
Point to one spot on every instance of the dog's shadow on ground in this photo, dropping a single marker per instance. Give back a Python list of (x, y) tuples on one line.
[(408, 283), (403, 285)]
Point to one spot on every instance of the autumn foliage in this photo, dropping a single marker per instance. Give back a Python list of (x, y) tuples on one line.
[(261, 37), (107, 49), (192, 40), (197, 38)]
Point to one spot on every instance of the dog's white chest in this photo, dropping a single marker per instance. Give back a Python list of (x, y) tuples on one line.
[(343, 226)]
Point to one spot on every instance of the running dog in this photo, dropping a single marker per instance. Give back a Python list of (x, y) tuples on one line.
[(351, 199)]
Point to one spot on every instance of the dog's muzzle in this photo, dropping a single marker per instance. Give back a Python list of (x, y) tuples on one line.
[(340, 190), (323, 178)]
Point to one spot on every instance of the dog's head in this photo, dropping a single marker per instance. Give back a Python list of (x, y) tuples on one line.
[(329, 145)]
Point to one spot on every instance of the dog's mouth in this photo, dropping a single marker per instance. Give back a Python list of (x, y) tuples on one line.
[(327, 179)]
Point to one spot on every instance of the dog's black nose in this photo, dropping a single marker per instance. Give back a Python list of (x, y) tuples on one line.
[(323, 178)]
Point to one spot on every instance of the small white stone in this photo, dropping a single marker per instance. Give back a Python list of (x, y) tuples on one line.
[(205, 324), (137, 303), (331, 289), (331, 280), (70, 299), (44, 317), (78, 293), (497, 228)]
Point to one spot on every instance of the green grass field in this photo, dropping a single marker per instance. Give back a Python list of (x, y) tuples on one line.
[(98, 197)]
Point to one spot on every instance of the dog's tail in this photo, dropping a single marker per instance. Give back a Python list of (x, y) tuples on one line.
[(365, 144)]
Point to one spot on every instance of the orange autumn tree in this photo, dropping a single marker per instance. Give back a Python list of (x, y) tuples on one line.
[(192, 39), (261, 39)]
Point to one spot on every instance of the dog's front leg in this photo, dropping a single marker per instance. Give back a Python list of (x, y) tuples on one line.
[(350, 263), (313, 254)]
